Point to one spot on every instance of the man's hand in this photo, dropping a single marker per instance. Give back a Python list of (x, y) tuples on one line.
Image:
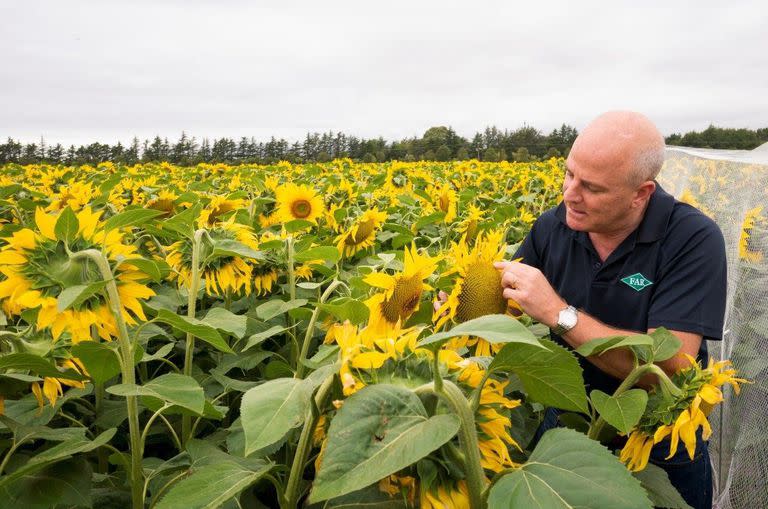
[(442, 298), (528, 287)]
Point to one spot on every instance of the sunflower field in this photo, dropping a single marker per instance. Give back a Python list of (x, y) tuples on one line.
[(266, 336)]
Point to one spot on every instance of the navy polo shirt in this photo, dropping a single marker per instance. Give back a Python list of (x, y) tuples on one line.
[(670, 272)]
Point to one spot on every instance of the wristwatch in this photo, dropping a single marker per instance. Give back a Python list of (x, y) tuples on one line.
[(566, 320)]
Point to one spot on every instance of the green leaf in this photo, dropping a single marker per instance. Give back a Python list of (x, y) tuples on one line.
[(270, 410), (67, 226), (622, 411), (75, 296), (326, 253), (435, 217), (131, 217), (156, 271), (656, 483), (210, 486), (195, 327), (665, 345), (38, 365), (567, 470), (347, 308), (550, 375), (172, 388), (273, 308), (62, 484), (159, 354), (600, 345), (380, 429), (222, 319), (56, 453), (183, 222), (492, 328), (99, 359), (259, 337), (298, 225), (227, 247)]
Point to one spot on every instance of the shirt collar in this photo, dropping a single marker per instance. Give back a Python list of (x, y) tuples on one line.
[(655, 220)]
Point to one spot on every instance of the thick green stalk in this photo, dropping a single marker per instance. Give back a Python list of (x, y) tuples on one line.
[(300, 368), (291, 496), (186, 420), (467, 438), (291, 297), (634, 376), (126, 370)]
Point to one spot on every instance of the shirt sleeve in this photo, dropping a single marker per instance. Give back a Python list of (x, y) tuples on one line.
[(691, 289)]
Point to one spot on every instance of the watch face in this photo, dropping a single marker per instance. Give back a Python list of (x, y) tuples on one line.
[(567, 318)]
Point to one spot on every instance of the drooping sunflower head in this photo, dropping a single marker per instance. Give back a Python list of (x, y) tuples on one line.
[(362, 234), (37, 268), (298, 202), (747, 227), (165, 201), (469, 227), (477, 290), (224, 273), (217, 210), (680, 417), (445, 200), (402, 291)]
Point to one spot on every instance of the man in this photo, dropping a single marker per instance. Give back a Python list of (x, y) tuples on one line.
[(620, 256)]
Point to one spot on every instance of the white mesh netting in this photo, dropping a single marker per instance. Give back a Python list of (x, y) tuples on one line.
[(731, 186)]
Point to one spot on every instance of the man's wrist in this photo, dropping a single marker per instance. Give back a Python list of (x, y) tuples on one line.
[(567, 319)]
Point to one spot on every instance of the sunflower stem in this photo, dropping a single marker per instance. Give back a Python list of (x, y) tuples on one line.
[(300, 367), (467, 438), (291, 297), (128, 374), (194, 283), (597, 426), (291, 496)]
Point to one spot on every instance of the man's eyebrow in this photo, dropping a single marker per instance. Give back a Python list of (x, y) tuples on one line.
[(587, 182)]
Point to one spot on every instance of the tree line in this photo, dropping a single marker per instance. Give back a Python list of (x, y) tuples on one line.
[(438, 143)]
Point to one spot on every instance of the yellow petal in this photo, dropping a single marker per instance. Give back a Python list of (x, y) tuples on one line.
[(45, 223)]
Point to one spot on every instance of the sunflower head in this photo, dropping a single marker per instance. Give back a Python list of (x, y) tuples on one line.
[(217, 209), (477, 290), (37, 268), (298, 202), (363, 234), (402, 291)]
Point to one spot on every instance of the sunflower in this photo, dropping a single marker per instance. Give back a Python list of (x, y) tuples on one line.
[(477, 290), (402, 291), (165, 201), (74, 195), (52, 386), (468, 228), (680, 419), (217, 208), (298, 202), (753, 215), (363, 234), (445, 201), (37, 269), (449, 495), (224, 273)]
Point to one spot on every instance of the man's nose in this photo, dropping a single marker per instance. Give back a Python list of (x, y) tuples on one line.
[(570, 193)]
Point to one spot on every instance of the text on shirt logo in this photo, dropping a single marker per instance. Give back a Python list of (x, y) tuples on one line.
[(637, 281)]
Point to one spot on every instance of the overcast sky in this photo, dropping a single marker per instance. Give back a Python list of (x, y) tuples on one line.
[(84, 71)]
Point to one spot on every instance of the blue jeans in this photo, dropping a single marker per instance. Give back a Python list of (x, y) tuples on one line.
[(692, 478)]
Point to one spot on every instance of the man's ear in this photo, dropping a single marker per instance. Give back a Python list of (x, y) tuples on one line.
[(643, 193)]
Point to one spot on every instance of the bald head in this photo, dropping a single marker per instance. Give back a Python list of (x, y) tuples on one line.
[(623, 141)]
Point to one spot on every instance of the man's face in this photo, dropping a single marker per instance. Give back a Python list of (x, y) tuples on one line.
[(597, 196)]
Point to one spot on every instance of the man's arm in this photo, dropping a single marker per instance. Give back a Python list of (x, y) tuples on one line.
[(528, 287)]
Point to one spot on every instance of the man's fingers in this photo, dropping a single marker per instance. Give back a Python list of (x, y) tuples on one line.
[(509, 293), (502, 265), (508, 280)]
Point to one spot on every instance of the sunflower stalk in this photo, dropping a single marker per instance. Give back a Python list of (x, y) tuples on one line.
[(291, 496), (666, 385), (300, 367), (128, 375), (194, 284), (291, 297), (473, 467)]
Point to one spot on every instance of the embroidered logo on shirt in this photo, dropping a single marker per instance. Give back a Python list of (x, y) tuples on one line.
[(637, 281)]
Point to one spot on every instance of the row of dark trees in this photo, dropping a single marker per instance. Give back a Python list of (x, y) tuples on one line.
[(438, 143)]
